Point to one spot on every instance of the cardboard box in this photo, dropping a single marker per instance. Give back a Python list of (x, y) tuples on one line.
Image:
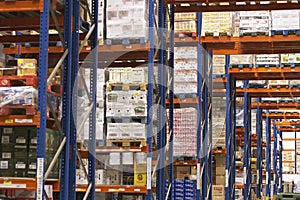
[(218, 190), (220, 180), (112, 177), (182, 172), (100, 177), (218, 197), (220, 170), (220, 160)]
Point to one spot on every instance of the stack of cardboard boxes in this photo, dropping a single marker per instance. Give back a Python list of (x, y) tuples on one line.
[(218, 190), (217, 24), (283, 20), (127, 19), (185, 22)]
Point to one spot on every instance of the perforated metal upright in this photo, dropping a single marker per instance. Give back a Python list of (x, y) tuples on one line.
[(66, 101), (275, 160), (150, 99), (280, 188), (268, 157), (171, 102), (247, 144), (230, 134), (162, 84), (93, 93), (42, 95), (259, 150), (199, 108)]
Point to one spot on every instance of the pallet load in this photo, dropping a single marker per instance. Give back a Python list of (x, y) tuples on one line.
[(240, 61), (126, 106), (285, 22), (123, 23), (218, 125), (185, 72), (217, 24), (290, 60), (252, 23), (185, 24), (182, 189), (267, 60), (185, 132)]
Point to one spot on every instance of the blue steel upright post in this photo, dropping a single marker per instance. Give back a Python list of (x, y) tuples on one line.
[(150, 99), (199, 106), (247, 143), (275, 161), (74, 89), (259, 150), (171, 100), (162, 83), (230, 135), (42, 95), (93, 93), (268, 158), (66, 102), (280, 189), (295, 169)]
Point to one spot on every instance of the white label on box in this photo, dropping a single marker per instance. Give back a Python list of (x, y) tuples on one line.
[(7, 130), (5, 139), (127, 158), (6, 155), (33, 141), (32, 166), (21, 140), (20, 166), (4, 164)]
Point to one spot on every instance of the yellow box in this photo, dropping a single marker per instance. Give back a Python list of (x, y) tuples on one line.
[(27, 62), (140, 179), (27, 71)]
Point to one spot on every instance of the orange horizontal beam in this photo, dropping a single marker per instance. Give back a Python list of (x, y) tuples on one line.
[(273, 92), (249, 39), (21, 6), (129, 189), (287, 115), (288, 161), (287, 123), (275, 105), (230, 6), (263, 73), (289, 129)]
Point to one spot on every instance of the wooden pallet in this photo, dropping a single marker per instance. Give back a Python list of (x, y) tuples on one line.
[(126, 143), (285, 32), (126, 41), (219, 34), (253, 34), (135, 119), (182, 34), (18, 110), (19, 81), (126, 86)]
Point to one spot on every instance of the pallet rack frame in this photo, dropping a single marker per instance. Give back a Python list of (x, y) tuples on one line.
[(268, 158)]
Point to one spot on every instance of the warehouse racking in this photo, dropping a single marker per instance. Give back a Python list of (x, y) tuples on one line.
[(230, 45)]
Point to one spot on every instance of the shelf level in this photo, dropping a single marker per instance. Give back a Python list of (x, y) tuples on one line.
[(21, 6), (277, 105), (273, 92), (14, 183), (266, 73), (288, 123), (129, 189), (287, 115)]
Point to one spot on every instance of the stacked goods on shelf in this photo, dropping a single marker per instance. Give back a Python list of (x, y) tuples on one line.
[(278, 83), (218, 118), (220, 169), (246, 60), (289, 59), (267, 59), (218, 192), (183, 189), (185, 132), (219, 65), (83, 106), (283, 20), (185, 72), (122, 22), (253, 22), (116, 168), (185, 23), (126, 104), (18, 151), (217, 24)]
